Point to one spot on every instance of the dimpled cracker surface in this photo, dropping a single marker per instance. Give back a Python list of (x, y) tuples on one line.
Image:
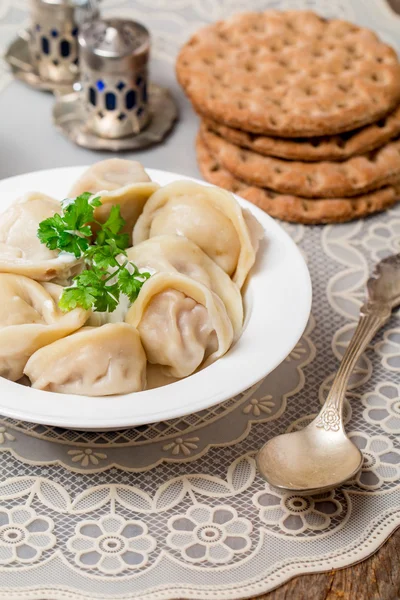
[(293, 208), (289, 74), (352, 177), (332, 147)]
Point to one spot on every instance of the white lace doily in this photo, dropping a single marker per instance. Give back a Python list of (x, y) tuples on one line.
[(177, 509)]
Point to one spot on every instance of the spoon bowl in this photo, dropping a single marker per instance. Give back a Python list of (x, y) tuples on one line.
[(309, 461)]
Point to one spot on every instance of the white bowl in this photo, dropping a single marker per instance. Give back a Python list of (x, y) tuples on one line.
[(277, 305)]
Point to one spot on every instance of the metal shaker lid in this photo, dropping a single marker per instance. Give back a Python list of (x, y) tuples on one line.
[(78, 11), (114, 44)]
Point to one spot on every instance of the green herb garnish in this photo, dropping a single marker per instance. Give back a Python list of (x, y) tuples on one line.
[(70, 232), (109, 274)]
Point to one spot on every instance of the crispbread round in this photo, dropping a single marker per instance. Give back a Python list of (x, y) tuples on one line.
[(293, 208), (333, 147), (352, 177), (289, 74)]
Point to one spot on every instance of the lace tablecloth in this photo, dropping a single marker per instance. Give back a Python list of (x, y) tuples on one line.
[(176, 509)]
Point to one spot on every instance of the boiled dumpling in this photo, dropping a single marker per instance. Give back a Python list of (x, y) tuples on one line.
[(131, 200), (109, 175), (118, 182), (182, 324), (94, 362), (172, 253), (208, 216), (22, 252), (29, 319)]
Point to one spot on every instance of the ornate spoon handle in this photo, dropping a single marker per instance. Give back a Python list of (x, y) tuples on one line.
[(373, 316)]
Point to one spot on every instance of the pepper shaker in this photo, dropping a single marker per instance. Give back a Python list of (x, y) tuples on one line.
[(114, 106), (114, 57), (53, 40)]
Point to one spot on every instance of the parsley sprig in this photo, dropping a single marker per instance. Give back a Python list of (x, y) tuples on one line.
[(109, 273)]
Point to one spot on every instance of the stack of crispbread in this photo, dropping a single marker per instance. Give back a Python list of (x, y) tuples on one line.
[(300, 115)]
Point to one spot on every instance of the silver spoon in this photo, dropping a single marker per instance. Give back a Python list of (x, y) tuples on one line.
[(321, 456)]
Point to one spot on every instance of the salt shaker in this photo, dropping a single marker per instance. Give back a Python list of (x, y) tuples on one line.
[(114, 57), (53, 40)]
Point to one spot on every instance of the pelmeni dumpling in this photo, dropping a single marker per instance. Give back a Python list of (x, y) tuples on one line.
[(208, 216), (109, 175), (99, 361), (118, 182), (22, 252), (173, 253), (182, 324), (29, 319)]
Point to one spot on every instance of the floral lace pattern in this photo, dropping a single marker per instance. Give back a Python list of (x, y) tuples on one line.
[(381, 460), (177, 509), (383, 239), (209, 534), (389, 349), (295, 514), (383, 407), (111, 544), (24, 535)]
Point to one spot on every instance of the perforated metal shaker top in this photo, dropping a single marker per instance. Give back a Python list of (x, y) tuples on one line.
[(114, 45)]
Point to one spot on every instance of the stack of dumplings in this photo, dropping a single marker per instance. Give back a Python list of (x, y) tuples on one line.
[(195, 241)]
